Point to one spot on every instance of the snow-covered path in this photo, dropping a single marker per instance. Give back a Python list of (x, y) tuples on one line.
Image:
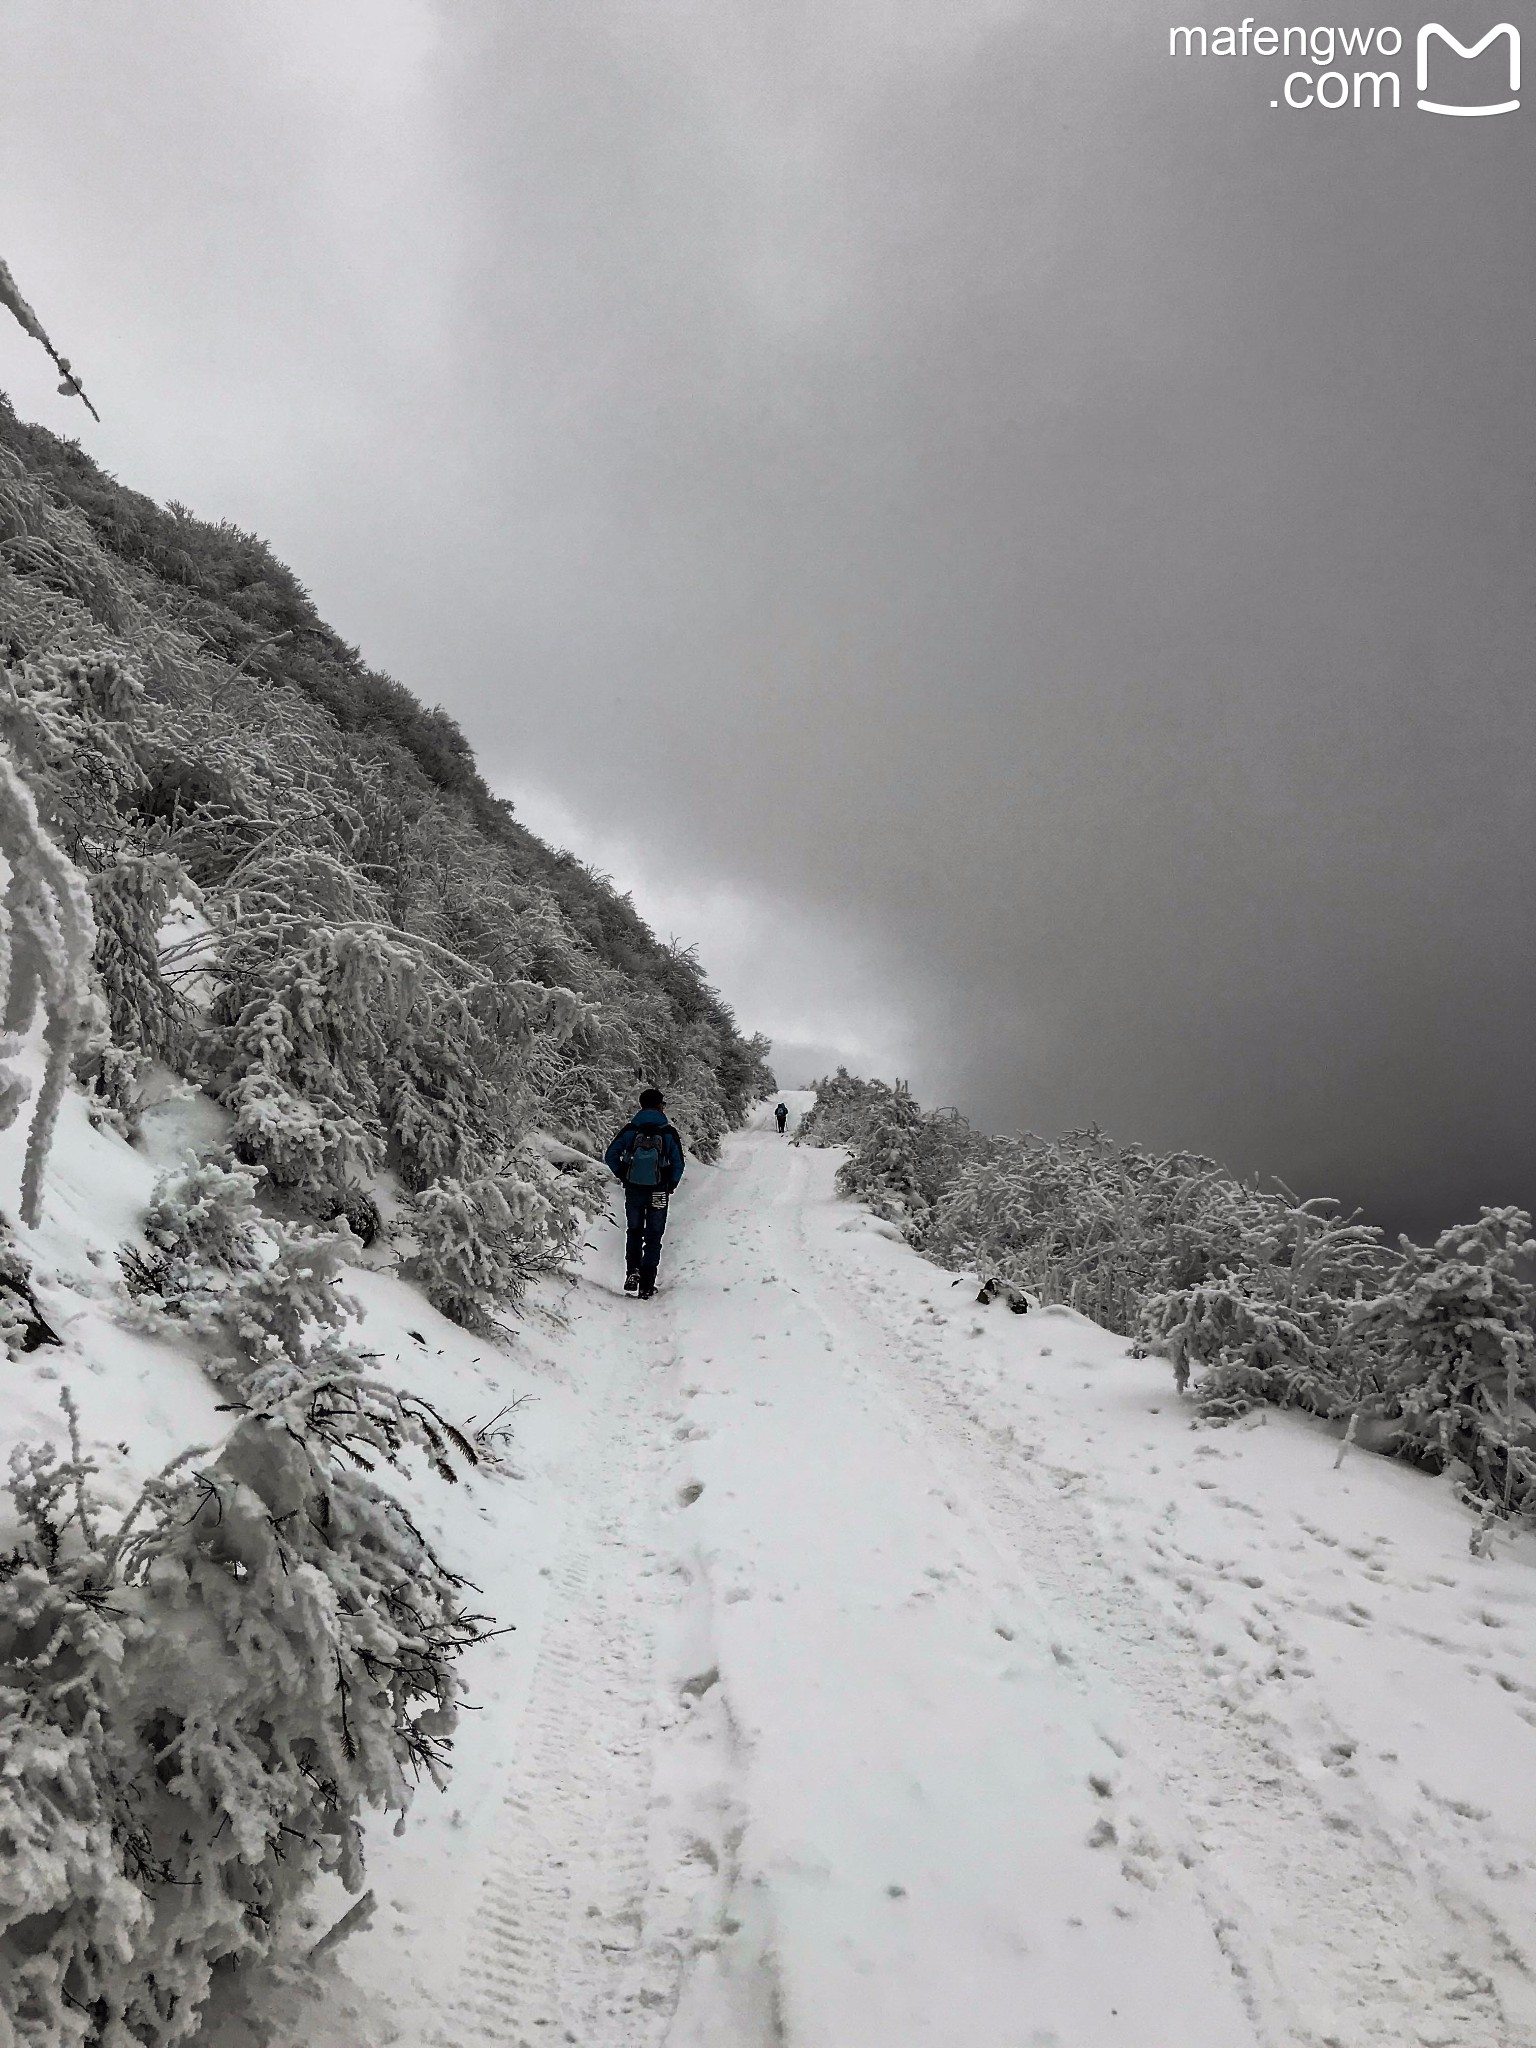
[(911, 1673)]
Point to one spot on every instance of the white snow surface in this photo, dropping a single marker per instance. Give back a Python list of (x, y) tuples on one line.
[(889, 1671)]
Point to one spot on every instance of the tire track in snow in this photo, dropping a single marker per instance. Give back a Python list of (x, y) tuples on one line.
[(553, 1957), (590, 1927)]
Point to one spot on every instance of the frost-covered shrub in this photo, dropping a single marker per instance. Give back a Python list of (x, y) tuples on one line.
[(299, 1064), (262, 1293), (66, 720), (131, 900), (1452, 1338), (311, 1150), (837, 1114), (1252, 1294), (884, 1168), (198, 1706), (1277, 1321), (1244, 1347), (355, 1046), (902, 1158), (204, 1212), (1000, 1215), (271, 1314), (479, 1243), (1082, 1220), (425, 1099), (454, 1089), (697, 1110)]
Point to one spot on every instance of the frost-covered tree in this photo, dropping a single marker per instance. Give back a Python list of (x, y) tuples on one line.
[(198, 1705), (1452, 1338)]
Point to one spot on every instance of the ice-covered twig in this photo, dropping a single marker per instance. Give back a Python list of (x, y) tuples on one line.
[(358, 1916), (1349, 1437), (147, 1493), (11, 299)]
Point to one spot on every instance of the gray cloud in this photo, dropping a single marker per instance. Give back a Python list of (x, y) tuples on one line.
[(973, 489)]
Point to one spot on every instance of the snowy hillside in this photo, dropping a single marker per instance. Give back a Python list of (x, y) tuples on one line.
[(290, 1002), (889, 1669)]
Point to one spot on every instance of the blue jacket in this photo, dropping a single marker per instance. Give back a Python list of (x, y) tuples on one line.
[(646, 1119)]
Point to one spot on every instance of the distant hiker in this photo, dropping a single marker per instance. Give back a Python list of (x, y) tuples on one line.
[(781, 1115), (647, 1156)]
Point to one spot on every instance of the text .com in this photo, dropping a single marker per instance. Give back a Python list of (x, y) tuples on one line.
[(1337, 68)]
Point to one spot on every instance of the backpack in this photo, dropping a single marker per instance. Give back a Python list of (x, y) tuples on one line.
[(645, 1163)]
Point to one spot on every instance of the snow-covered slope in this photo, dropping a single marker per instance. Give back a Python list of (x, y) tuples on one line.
[(893, 1672)]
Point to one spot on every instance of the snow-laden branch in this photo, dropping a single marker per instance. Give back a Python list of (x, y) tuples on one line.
[(10, 297), (47, 938)]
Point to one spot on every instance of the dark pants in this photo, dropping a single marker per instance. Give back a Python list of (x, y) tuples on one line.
[(642, 1247), (782, 1121)]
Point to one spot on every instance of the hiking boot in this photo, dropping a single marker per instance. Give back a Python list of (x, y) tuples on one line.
[(631, 1282), (647, 1289)]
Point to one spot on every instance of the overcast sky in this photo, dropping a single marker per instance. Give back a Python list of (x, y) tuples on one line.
[(1020, 547)]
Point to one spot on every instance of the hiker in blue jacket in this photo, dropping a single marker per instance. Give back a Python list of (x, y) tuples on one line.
[(647, 1156)]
